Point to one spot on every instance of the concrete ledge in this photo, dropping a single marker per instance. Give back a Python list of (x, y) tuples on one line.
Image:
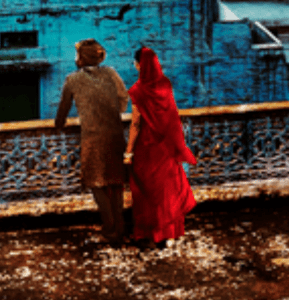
[(74, 203), (248, 189), (126, 117)]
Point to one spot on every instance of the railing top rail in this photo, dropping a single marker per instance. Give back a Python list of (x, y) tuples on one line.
[(126, 117), (234, 109)]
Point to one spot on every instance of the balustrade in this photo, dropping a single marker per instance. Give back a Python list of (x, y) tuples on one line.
[(240, 145)]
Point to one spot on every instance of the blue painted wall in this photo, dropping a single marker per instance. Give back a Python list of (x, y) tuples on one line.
[(208, 62), (243, 74)]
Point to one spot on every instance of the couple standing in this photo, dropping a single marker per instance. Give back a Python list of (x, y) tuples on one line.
[(156, 148)]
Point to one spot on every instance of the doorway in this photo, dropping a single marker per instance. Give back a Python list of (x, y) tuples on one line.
[(19, 96)]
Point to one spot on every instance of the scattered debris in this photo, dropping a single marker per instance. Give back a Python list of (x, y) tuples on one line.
[(233, 257)]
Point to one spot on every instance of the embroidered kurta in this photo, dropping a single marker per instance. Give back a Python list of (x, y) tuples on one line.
[(100, 96)]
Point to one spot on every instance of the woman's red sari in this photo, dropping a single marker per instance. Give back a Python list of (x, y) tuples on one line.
[(160, 190)]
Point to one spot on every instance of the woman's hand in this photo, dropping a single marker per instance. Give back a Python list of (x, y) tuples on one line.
[(127, 158), (133, 133), (127, 161)]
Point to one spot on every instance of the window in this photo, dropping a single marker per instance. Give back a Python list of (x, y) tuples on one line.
[(19, 94), (22, 39)]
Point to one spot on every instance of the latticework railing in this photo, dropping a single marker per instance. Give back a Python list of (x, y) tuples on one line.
[(234, 145), (252, 146)]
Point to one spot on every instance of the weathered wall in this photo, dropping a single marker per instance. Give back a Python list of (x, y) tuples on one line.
[(158, 24), (242, 74), (171, 28), (209, 63)]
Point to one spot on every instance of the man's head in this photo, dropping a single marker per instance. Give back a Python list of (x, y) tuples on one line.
[(89, 53)]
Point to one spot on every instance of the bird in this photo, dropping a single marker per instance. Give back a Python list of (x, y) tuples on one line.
[(23, 20), (121, 13)]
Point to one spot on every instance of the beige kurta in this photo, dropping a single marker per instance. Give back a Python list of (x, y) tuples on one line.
[(100, 96)]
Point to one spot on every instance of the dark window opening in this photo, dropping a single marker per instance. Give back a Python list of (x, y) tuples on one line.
[(274, 31), (19, 96), (279, 29), (23, 39)]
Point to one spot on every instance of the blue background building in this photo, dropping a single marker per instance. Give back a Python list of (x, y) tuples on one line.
[(210, 57)]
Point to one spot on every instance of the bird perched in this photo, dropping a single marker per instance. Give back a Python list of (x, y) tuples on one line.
[(23, 20), (121, 13)]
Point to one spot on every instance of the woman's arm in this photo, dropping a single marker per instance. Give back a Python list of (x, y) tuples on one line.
[(133, 133)]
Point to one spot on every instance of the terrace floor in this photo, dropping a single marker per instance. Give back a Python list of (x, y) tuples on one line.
[(231, 250)]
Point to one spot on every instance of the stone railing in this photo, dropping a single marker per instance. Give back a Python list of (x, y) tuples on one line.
[(241, 150)]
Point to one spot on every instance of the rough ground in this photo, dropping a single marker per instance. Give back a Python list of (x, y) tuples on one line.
[(232, 250)]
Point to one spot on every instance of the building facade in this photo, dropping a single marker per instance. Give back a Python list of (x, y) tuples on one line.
[(209, 60), (272, 14)]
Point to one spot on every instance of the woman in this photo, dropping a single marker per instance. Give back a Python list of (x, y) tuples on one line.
[(156, 148)]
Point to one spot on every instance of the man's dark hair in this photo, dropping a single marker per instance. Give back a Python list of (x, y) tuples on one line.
[(90, 51), (137, 55)]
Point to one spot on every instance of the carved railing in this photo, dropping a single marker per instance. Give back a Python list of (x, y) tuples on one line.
[(242, 150), (37, 161), (240, 145), (253, 145)]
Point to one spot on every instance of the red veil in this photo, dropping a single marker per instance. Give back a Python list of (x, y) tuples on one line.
[(153, 96), (160, 190)]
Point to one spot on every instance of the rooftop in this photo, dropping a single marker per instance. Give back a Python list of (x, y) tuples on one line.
[(267, 12), (272, 14)]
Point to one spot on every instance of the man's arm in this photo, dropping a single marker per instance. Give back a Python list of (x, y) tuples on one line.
[(64, 106), (122, 93)]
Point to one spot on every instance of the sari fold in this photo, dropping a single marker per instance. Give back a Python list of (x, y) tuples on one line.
[(160, 189)]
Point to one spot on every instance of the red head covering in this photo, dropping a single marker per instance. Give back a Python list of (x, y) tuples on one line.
[(153, 96)]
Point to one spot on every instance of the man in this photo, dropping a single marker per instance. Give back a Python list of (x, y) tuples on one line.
[(100, 96)]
